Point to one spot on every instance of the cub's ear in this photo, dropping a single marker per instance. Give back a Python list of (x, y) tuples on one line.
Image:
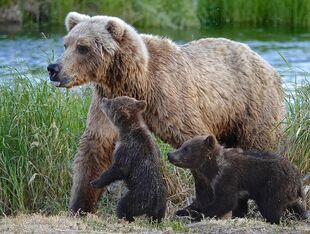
[(210, 142), (116, 29), (141, 105), (73, 18), (104, 103), (104, 99)]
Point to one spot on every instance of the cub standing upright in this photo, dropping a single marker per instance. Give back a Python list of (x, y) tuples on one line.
[(136, 161)]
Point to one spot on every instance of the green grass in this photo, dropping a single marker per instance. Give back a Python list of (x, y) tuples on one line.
[(178, 13), (7, 2), (255, 12), (298, 126), (40, 128), (142, 13)]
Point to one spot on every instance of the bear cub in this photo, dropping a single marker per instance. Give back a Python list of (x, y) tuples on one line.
[(236, 176), (136, 161)]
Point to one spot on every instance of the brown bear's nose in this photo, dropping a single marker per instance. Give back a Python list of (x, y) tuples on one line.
[(53, 70)]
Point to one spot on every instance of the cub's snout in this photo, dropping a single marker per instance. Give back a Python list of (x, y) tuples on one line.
[(172, 158)]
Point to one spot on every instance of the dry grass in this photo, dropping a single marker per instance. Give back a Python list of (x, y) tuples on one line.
[(37, 223)]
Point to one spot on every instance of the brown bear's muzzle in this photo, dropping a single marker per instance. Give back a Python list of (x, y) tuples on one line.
[(54, 71)]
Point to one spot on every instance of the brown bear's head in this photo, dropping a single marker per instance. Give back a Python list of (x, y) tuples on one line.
[(123, 110), (194, 153), (96, 50)]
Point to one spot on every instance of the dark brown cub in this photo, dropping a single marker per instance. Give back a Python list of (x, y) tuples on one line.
[(236, 175), (136, 161)]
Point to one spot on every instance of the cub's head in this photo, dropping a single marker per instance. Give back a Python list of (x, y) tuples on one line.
[(194, 152), (96, 49), (123, 109)]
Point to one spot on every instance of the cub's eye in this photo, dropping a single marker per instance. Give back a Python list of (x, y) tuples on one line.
[(65, 46), (82, 49), (186, 150)]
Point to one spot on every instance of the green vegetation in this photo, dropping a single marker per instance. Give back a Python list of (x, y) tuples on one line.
[(254, 12), (38, 141), (7, 2), (173, 14), (298, 126), (145, 13)]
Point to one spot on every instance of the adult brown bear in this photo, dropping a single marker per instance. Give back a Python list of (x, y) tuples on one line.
[(207, 86)]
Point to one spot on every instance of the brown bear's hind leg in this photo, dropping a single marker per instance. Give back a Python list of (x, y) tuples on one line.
[(93, 157)]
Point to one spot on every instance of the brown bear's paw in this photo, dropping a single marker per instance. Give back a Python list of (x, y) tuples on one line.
[(79, 210)]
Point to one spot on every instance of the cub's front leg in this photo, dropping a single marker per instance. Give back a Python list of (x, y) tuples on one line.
[(114, 173), (225, 197), (204, 195)]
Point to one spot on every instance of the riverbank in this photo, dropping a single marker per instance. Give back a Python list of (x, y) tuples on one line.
[(160, 13), (36, 223)]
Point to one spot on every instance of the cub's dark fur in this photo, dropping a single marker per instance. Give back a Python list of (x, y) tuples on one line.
[(136, 161), (235, 176)]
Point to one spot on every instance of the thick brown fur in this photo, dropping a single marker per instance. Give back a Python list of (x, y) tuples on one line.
[(136, 161), (207, 86), (236, 175)]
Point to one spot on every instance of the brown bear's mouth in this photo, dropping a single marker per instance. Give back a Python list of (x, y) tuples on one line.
[(61, 83), (56, 83)]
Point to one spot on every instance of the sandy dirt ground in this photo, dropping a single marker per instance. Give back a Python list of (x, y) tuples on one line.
[(36, 223)]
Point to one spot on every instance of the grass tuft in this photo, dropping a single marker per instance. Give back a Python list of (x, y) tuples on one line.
[(255, 12), (298, 126), (38, 140)]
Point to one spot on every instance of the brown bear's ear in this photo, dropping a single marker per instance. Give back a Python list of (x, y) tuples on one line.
[(115, 29), (141, 105), (73, 18), (210, 142)]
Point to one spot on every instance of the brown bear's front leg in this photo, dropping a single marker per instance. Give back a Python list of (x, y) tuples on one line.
[(93, 157)]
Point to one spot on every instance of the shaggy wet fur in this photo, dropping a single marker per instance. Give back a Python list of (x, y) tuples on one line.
[(210, 86), (136, 161), (235, 176)]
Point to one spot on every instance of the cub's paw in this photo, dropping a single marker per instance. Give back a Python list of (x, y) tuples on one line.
[(181, 213), (193, 215), (96, 183)]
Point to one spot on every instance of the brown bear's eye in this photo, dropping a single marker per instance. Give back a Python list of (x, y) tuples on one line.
[(82, 49)]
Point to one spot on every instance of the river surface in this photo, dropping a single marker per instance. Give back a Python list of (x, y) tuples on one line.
[(28, 51)]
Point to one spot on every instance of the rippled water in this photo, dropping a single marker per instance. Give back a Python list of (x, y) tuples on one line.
[(28, 51)]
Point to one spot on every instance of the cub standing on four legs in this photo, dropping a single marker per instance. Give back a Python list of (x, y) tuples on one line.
[(270, 180), (136, 160)]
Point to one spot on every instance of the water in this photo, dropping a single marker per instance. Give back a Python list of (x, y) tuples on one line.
[(30, 50)]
